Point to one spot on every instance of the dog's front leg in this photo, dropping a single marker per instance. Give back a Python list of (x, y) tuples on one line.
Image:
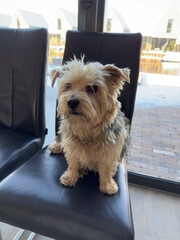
[(71, 175), (55, 147), (107, 183)]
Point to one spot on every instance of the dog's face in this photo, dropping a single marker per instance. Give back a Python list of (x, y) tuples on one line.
[(88, 92)]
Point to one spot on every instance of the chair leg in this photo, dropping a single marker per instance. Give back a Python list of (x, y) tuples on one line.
[(31, 236), (21, 232), (0, 235)]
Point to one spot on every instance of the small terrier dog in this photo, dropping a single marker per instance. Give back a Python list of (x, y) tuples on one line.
[(93, 132)]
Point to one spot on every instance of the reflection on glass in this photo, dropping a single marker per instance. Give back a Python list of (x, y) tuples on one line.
[(159, 23)]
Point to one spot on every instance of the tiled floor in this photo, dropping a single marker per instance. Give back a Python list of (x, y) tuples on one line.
[(156, 216)]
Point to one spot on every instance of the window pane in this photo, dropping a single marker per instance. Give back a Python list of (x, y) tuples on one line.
[(155, 142), (57, 16)]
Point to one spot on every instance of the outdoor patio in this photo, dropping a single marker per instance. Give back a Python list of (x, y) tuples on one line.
[(155, 133)]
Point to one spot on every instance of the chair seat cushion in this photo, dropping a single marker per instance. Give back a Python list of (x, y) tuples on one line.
[(33, 198), (16, 148)]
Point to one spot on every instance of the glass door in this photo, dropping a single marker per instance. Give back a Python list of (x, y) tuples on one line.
[(155, 135)]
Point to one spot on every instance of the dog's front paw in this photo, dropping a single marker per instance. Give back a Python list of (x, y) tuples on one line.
[(55, 148), (109, 188), (69, 179)]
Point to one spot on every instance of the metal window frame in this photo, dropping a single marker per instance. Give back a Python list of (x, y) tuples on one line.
[(91, 15)]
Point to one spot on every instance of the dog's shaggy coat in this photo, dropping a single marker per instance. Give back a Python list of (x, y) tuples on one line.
[(93, 131)]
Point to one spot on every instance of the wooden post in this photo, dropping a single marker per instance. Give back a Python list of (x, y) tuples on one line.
[(0, 235)]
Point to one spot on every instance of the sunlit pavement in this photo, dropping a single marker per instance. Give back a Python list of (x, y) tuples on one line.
[(155, 134)]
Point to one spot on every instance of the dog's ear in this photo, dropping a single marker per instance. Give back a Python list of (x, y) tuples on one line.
[(116, 76), (55, 74), (58, 74)]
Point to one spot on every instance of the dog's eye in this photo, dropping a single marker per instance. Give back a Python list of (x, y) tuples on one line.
[(91, 89), (68, 86)]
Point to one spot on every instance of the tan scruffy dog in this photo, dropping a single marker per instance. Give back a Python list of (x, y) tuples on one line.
[(93, 131)]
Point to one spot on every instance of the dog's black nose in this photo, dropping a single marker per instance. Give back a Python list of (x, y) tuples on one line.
[(73, 103)]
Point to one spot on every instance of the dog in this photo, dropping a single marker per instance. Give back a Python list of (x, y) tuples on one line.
[(93, 132)]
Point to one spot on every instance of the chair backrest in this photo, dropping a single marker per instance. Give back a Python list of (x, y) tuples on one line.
[(121, 49), (22, 79)]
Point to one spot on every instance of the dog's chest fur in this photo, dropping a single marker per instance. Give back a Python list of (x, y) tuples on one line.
[(92, 146)]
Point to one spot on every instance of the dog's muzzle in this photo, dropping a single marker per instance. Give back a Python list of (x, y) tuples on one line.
[(73, 103)]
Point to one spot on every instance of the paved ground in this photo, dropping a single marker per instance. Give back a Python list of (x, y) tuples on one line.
[(155, 134)]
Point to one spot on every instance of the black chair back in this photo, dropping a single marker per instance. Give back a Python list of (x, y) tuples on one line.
[(22, 74), (22, 92)]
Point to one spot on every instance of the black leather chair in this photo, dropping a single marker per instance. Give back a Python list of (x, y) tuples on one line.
[(32, 197), (22, 84)]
